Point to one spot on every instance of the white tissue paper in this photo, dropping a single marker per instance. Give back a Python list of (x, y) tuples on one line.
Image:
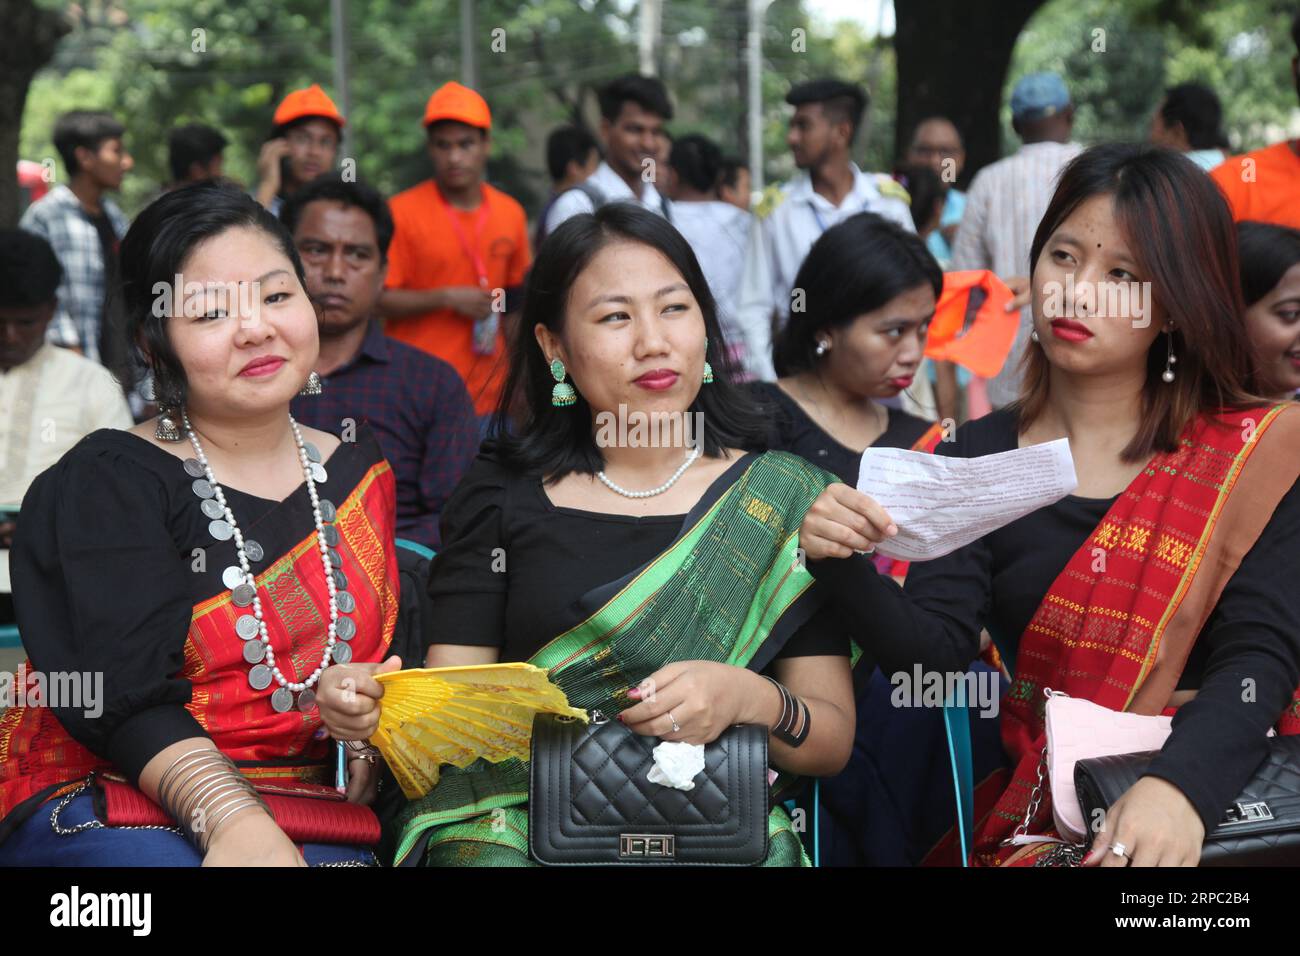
[(676, 764)]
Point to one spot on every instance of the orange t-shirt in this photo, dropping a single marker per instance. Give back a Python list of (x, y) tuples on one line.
[(426, 253), (1263, 185)]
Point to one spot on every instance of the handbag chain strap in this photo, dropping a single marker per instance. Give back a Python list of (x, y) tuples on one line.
[(1062, 854)]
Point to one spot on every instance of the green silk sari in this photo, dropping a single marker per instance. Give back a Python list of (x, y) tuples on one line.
[(730, 588)]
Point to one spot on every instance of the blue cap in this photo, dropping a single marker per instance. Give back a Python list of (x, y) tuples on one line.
[(1039, 95)]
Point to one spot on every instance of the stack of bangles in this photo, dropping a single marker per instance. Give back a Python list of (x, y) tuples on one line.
[(201, 790), (792, 728)]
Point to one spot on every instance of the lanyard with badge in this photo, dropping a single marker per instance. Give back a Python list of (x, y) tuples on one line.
[(485, 328)]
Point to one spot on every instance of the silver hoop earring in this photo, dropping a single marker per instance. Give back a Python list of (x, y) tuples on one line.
[(1170, 359)]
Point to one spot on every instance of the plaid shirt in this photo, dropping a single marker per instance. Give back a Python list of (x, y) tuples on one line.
[(421, 414), (59, 218)]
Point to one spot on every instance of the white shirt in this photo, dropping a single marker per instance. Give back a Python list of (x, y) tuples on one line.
[(778, 243), (611, 186), (718, 233), (1004, 205), (51, 402)]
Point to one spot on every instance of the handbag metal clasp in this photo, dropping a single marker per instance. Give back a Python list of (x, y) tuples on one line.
[(1247, 813), (646, 845)]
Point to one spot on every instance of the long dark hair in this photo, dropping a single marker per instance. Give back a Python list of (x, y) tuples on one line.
[(1181, 235), (855, 267), (155, 248), (552, 442), (1267, 252)]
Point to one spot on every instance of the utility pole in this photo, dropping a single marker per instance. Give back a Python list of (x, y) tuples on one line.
[(757, 10), (648, 36), (468, 65), (339, 49)]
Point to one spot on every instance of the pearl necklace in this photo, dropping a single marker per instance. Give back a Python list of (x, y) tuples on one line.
[(255, 651), (694, 453)]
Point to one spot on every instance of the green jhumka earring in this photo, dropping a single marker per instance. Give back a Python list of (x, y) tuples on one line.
[(562, 395), (708, 372)]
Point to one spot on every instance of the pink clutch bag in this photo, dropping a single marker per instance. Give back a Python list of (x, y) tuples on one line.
[(1078, 729)]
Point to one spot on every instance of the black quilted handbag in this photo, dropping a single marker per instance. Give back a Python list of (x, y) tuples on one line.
[(590, 803), (1261, 828)]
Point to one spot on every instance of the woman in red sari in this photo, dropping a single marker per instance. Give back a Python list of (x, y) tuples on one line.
[(195, 575), (1165, 583)]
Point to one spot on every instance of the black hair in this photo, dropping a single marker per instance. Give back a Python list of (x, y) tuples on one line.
[(932, 118), (29, 270), (1195, 106), (193, 143), (552, 442), (698, 161), (842, 102), (1265, 252), (925, 188), (332, 186), (646, 92), (568, 144), (283, 129), (854, 268), (88, 128), (155, 249), (444, 123), (730, 175)]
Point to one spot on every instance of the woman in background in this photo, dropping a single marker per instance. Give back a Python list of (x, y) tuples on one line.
[(1270, 282), (1167, 578)]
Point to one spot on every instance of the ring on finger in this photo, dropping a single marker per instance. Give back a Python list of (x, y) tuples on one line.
[(1120, 850), (676, 726)]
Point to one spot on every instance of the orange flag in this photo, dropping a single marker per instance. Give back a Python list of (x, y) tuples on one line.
[(971, 325)]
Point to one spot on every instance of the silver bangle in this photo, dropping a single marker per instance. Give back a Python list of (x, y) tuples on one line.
[(227, 790), (167, 783), (212, 830)]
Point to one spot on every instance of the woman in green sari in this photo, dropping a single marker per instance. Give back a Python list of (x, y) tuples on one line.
[(620, 535)]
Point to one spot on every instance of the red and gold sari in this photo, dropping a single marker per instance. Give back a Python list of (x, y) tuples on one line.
[(1120, 636), (39, 759)]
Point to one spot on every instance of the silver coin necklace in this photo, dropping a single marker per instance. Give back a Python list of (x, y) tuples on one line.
[(250, 627)]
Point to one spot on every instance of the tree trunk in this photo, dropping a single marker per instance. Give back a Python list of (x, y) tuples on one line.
[(953, 61), (27, 43)]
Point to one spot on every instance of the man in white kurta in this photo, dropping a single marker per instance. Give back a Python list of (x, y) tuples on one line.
[(792, 216)]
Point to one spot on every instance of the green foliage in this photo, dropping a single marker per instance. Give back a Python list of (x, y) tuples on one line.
[(144, 60), (1240, 48)]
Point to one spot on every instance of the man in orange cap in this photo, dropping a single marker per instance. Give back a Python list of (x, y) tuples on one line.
[(303, 144), (460, 250)]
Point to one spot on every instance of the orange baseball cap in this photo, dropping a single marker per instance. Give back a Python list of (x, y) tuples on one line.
[(312, 101), (451, 101)]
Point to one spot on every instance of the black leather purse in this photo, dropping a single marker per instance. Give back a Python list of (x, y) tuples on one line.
[(590, 803), (1261, 828)]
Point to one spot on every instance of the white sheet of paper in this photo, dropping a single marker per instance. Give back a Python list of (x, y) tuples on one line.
[(941, 504)]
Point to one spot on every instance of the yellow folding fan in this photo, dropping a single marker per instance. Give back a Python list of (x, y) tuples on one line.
[(455, 715)]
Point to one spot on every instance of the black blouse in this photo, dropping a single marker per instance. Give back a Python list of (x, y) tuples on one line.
[(998, 581), (512, 564), (794, 431), (111, 555)]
